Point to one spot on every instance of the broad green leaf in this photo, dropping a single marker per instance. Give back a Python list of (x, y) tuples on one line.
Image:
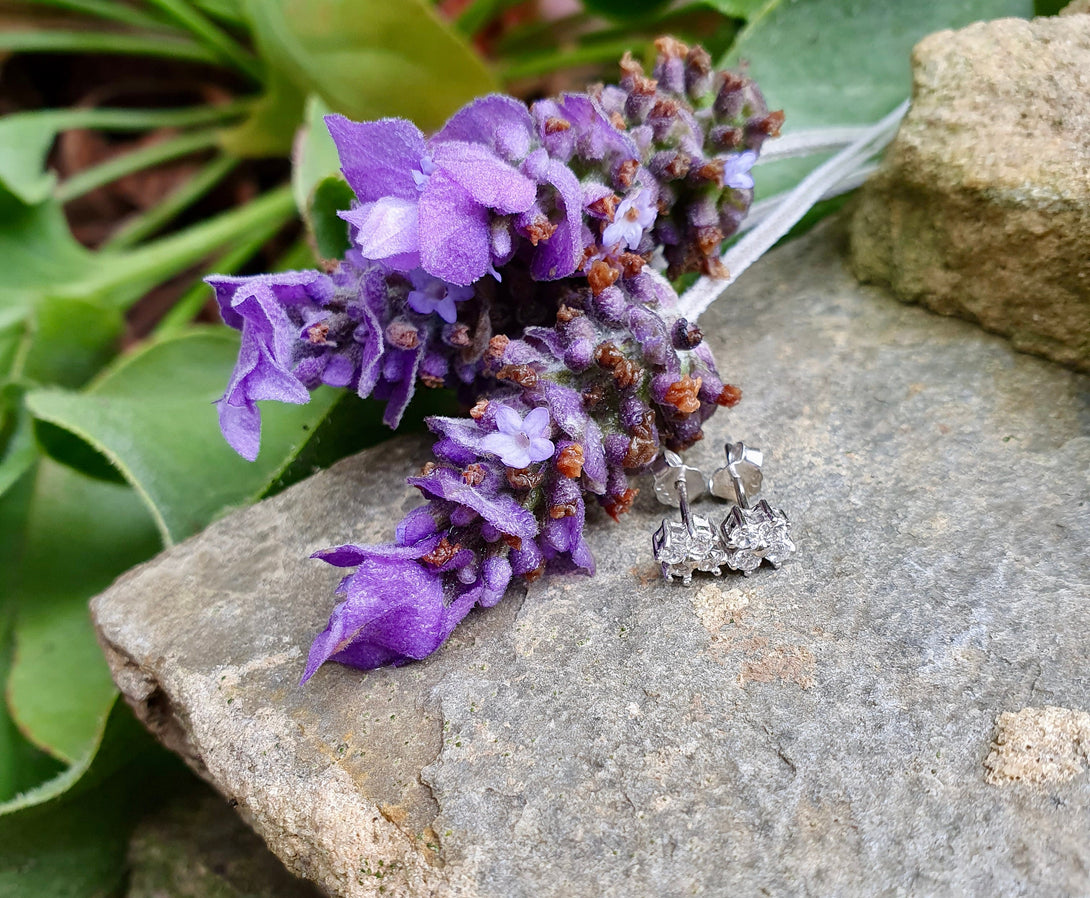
[(320, 191), (25, 139), (270, 127), (68, 838), (843, 62), (22, 766), (70, 341), (741, 9), (80, 535), (38, 250), (625, 9), (17, 449), (330, 231), (314, 156), (371, 58), (153, 416)]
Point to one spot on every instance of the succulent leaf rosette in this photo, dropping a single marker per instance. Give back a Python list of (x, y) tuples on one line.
[(511, 256)]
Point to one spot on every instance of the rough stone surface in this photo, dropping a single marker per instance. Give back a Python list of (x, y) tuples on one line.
[(1039, 745), (982, 206), (197, 847), (817, 730)]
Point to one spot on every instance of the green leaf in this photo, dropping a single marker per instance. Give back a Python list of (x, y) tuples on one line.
[(371, 58), (153, 416), (17, 449), (330, 231), (320, 191), (80, 535), (625, 9), (25, 140), (68, 838), (740, 9), (270, 128), (70, 340), (842, 62)]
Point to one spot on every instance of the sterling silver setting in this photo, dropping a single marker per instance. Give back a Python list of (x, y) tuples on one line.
[(749, 535), (693, 544)]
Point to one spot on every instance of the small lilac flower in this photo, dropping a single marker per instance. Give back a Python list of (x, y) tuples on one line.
[(736, 171), (634, 215), (430, 294), (426, 204), (520, 441)]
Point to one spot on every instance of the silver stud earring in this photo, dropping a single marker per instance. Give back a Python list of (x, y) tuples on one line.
[(750, 534), (693, 544)]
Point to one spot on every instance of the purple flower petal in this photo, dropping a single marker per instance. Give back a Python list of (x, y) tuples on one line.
[(387, 229), (561, 254), (378, 158), (501, 511), (485, 177), (497, 121), (454, 232)]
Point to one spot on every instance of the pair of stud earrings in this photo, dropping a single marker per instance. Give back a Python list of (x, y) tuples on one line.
[(748, 535)]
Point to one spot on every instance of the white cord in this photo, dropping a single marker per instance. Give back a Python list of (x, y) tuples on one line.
[(788, 212), (807, 143)]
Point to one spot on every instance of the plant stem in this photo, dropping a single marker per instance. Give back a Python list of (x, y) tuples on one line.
[(103, 9), (127, 276), (104, 42), (479, 13), (156, 217), (212, 36), (194, 299), (135, 119), (137, 160)]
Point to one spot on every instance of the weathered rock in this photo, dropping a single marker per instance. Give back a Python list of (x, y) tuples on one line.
[(821, 729), (981, 208), (197, 847)]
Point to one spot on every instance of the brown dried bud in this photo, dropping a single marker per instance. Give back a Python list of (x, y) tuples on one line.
[(671, 47), (727, 138), (429, 466), (523, 375), (442, 553), (535, 574), (665, 107), (641, 451), (678, 166), (540, 230), (729, 396), (515, 542), (473, 475), (682, 394), (617, 121), (567, 510), (711, 171), (714, 268), (431, 380), (593, 396), (566, 313), (699, 60), (478, 410), (601, 276), (497, 346), (769, 124), (402, 334), (555, 124), (459, 335), (626, 373), (524, 478), (644, 87), (630, 68), (616, 506), (632, 263), (317, 333), (708, 239), (608, 355), (570, 461), (605, 206), (626, 173)]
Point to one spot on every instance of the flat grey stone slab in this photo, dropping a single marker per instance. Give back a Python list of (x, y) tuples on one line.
[(817, 730)]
